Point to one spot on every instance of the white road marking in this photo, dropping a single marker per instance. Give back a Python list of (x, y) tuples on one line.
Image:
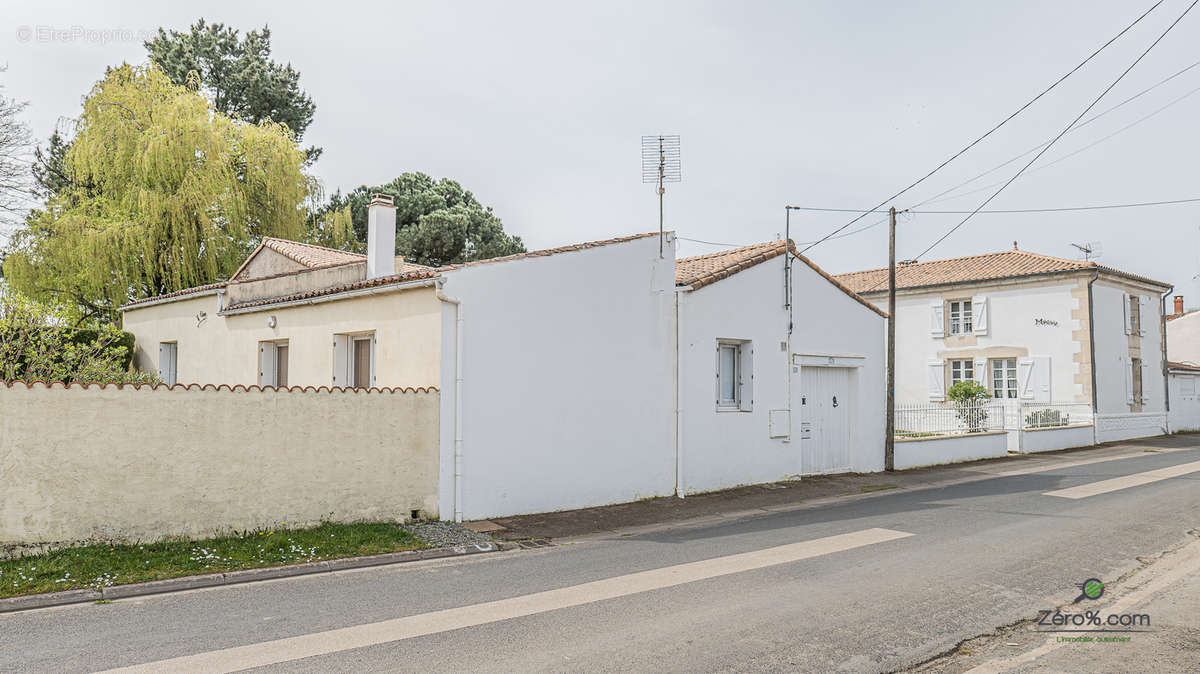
[(1055, 465), (1117, 483), (333, 641)]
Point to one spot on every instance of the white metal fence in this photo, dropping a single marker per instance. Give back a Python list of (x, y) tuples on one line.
[(915, 421), (1054, 415), (949, 418)]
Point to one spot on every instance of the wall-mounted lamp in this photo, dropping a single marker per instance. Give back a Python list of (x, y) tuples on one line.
[(270, 321)]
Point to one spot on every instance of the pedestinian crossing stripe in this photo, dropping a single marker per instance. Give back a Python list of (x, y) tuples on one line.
[(1135, 480), (346, 638)]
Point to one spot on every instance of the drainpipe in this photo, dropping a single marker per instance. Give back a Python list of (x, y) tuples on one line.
[(679, 485), (458, 385), (1092, 348), (1166, 369)]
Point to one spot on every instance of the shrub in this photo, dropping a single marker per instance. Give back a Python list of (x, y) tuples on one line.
[(1046, 418), (37, 343), (968, 398)]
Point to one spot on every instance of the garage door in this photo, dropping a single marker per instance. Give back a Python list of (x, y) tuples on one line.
[(825, 413)]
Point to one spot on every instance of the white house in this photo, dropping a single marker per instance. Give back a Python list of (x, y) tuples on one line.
[(769, 391), (566, 377), (1031, 328)]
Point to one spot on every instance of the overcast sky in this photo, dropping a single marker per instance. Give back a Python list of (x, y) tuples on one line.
[(538, 108)]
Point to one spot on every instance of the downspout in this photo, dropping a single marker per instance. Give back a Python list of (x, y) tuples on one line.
[(679, 486), (1092, 356), (1166, 369), (458, 386)]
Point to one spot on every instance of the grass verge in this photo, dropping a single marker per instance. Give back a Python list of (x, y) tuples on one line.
[(99, 566)]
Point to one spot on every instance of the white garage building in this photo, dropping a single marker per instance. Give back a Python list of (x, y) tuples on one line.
[(760, 402)]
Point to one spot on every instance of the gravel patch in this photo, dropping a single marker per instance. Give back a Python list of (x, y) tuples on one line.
[(445, 534)]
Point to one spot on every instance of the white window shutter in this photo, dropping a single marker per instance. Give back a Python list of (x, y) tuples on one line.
[(341, 360), (1129, 379), (937, 380), (1147, 381), (1143, 314), (746, 373), (1040, 380), (168, 362), (372, 359), (1128, 317), (266, 364), (979, 314), (1025, 378), (937, 315), (981, 371)]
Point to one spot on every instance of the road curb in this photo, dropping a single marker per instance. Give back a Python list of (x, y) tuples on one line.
[(83, 596)]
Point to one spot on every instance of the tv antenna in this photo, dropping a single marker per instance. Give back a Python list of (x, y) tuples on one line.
[(661, 164), (1091, 250)]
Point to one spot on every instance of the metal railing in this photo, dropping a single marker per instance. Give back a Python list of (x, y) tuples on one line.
[(949, 418), (916, 421), (1054, 415)]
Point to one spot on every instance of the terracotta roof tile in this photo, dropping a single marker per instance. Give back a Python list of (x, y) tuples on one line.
[(392, 279), (701, 270), (990, 266), (311, 255)]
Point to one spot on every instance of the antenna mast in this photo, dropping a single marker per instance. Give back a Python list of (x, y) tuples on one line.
[(661, 164)]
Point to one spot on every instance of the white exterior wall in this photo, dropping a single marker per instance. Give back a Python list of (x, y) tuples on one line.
[(1183, 339), (225, 349), (950, 449), (1011, 323), (1050, 439), (1185, 401), (1112, 351), (721, 449), (567, 393)]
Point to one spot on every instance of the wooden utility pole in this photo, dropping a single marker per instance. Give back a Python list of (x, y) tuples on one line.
[(889, 446)]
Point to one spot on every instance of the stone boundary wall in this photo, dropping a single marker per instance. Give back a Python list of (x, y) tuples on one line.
[(90, 462)]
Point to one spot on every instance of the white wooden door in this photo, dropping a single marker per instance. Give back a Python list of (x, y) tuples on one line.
[(825, 413)]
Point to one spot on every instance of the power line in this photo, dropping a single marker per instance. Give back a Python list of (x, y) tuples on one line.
[(1089, 120), (935, 200), (1062, 209), (1061, 134), (994, 128), (1011, 210)]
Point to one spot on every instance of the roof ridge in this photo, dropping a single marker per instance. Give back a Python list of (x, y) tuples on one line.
[(731, 251), (945, 259), (309, 245)]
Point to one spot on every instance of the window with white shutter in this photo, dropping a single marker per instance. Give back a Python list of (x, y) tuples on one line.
[(1147, 378), (735, 375)]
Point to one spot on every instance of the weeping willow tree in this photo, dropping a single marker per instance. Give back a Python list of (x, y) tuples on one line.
[(178, 195)]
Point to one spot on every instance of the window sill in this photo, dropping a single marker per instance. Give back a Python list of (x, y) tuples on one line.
[(732, 409)]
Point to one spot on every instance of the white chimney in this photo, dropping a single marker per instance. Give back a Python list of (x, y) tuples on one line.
[(381, 236)]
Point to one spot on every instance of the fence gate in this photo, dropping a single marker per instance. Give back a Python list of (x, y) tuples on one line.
[(826, 408)]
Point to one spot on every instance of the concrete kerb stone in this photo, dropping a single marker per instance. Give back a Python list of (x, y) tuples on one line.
[(82, 596)]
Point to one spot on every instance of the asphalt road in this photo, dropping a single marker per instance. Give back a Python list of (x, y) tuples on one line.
[(816, 589)]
